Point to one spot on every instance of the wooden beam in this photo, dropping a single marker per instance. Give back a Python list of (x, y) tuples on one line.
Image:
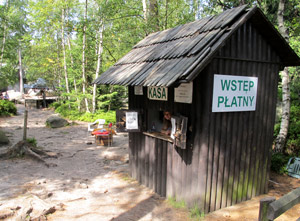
[(283, 204)]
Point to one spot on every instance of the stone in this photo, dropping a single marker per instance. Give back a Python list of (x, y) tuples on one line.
[(3, 138), (56, 122)]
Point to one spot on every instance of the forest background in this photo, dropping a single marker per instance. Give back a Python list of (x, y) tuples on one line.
[(70, 43)]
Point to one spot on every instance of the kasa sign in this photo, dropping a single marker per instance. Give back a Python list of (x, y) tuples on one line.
[(158, 93), (234, 93)]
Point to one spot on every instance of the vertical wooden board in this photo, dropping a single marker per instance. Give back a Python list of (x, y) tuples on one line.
[(189, 195), (147, 155), (210, 164), (184, 184), (248, 129), (258, 133), (221, 160), (263, 118), (272, 103), (248, 147), (204, 138), (134, 152), (170, 177), (259, 155), (164, 168), (210, 186), (197, 109), (159, 166), (251, 183), (176, 172), (155, 166), (264, 113), (234, 132), (239, 172), (131, 154), (268, 112), (236, 157), (227, 160), (215, 161), (141, 160), (151, 162), (241, 144), (179, 171)]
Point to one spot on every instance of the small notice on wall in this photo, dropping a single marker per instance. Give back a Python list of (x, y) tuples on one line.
[(138, 90), (184, 93), (132, 121), (234, 93)]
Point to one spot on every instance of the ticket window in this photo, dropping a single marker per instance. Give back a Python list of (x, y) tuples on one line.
[(155, 121), (132, 121)]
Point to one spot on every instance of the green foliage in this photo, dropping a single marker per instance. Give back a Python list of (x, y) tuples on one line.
[(279, 162), (196, 213), (293, 137), (72, 113), (7, 108), (32, 141), (112, 97), (176, 204)]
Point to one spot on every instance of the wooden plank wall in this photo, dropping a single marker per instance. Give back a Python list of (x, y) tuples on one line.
[(228, 154)]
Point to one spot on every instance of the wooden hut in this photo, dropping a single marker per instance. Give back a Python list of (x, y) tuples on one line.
[(218, 76)]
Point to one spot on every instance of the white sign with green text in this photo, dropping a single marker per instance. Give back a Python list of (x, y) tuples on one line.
[(158, 93), (234, 93)]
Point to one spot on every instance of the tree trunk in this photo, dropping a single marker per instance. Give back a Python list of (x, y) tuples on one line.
[(4, 37), (21, 72), (145, 10), (64, 49), (153, 18), (166, 16), (286, 100), (72, 63), (83, 58), (99, 53)]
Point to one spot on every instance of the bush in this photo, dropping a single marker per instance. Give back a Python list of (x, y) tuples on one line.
[(7, 108), (279, 162), (74, 114)]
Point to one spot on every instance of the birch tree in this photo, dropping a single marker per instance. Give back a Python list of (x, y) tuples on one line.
[(99, 53), (286, 100), (84, 84), (64, 49)]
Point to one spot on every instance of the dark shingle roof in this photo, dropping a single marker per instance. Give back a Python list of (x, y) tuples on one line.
[(164, 57)]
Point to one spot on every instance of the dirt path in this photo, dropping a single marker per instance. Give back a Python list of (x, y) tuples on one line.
[(90, 182)]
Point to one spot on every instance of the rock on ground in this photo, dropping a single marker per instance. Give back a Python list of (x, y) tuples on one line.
[(56, 122), (3, 138)]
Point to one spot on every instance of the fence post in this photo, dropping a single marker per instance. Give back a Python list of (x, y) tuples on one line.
[(263, 208)]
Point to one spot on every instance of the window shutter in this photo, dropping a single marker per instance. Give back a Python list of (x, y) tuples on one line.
[(180, 131)]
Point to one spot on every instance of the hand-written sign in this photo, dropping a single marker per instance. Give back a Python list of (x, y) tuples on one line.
[(138, 90), (234, 93), (158, 93), (184, 93)]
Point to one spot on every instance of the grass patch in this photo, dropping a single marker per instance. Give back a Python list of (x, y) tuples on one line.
[(32, 141), (196, 213), (176, 204)]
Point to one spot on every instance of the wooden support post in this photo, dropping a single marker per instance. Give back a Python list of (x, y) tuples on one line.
[(263, 208), (25, 125)]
